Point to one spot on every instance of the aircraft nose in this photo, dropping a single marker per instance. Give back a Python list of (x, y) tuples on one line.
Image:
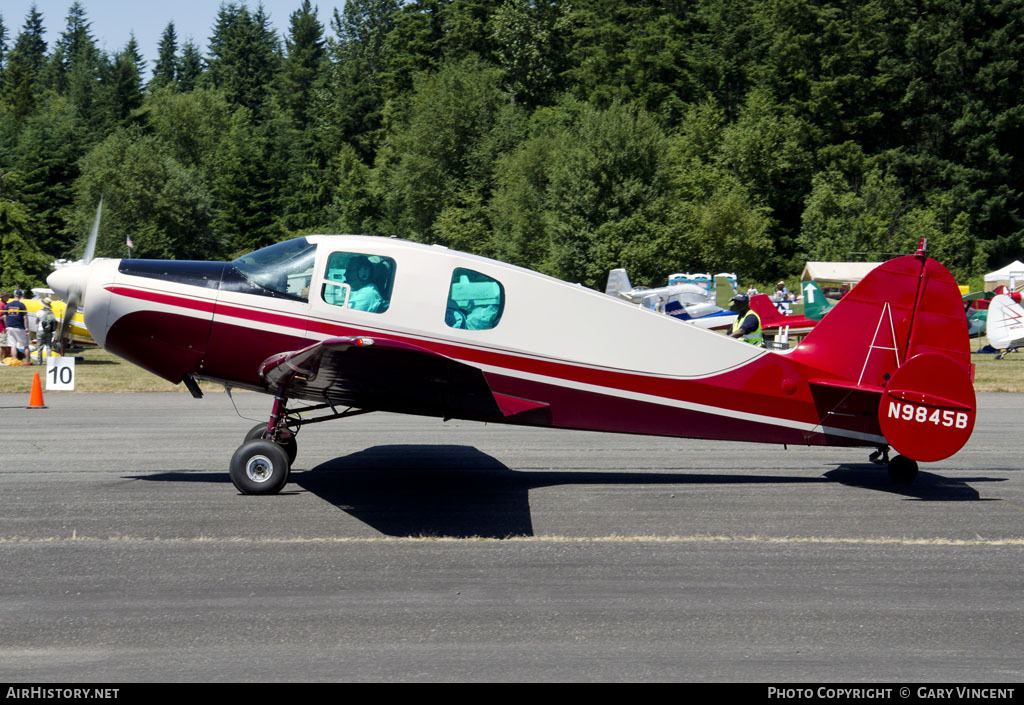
[(72, 278)]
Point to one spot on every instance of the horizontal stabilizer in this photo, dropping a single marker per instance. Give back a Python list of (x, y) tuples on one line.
[(846, 385)]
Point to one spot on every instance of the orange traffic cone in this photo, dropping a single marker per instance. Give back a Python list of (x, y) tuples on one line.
[(36, 400)]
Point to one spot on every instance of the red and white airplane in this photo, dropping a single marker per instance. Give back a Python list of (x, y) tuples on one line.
[(356, 323)]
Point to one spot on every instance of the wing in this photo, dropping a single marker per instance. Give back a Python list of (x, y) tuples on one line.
[(389, 375)]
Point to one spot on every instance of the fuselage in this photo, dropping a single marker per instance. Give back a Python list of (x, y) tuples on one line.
[(599, 363)]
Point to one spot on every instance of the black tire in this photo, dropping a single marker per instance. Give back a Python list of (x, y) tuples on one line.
[(255, 433), (259, 467), (902, 470), (291, 446)]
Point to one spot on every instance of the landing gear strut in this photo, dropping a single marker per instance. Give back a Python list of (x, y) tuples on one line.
[(262, 463)]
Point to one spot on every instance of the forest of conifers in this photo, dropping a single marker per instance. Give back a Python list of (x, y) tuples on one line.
[(570, 137)]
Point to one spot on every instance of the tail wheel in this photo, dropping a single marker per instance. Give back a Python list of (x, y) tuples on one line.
[(290, 445), (902, 470), (259, 467)]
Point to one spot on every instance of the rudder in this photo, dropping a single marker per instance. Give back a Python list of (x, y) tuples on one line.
[(902, 333)]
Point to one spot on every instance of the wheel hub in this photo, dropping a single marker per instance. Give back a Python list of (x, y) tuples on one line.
[(259, 468)]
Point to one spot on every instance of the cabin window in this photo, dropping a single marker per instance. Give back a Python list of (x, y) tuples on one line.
[(475, 301), (359, 281)]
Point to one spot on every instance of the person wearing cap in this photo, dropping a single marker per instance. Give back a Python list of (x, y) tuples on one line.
[(781, 291), (15, 317), (747, 326), (46, 327)]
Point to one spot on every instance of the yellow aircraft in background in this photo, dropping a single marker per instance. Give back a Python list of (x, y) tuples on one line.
[(79, 334), (72, 331)]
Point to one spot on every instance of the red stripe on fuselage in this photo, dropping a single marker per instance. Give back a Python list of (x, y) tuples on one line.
[(158, 297), (755, 387)]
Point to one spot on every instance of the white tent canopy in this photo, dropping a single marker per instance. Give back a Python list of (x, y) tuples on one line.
[(1001, 277), (837, 272)]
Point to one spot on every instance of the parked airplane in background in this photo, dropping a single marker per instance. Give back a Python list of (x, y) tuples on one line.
[(816, 305), (773, 320), (1005, 325), (687, 302), (976, 305), (353, 324)]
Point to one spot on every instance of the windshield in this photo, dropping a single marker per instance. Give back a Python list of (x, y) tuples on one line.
[(283, 269)]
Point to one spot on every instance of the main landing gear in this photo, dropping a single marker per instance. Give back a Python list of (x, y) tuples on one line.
[(263, 462), (902, 470)]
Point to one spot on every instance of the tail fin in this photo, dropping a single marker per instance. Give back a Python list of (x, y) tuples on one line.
[(618, 283), (902, 308), (724, 290), (901, 334), (815, 303), (771, 317)]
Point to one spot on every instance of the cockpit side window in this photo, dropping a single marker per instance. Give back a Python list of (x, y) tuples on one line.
[(283, 271), (359, 281), (475, 301)]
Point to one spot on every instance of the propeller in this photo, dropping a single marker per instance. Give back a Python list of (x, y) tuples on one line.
[(70, 281)]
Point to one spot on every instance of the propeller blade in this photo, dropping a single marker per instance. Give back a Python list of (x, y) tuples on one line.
[(64, 334), (69, 281), (90, 245)]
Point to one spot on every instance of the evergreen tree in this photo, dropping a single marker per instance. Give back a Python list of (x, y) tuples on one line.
[(629, 52), (21, 262), (75, 49), (244, 56), (414, 43), (362, 56), (304, 66), (125, 81), (191, 67), (166, 70), (23, 73), (46, 161), (3, 51), (247, 186)]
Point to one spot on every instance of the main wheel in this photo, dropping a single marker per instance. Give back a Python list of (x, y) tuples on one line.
[(291, 446), (259, 467), (902, 470)]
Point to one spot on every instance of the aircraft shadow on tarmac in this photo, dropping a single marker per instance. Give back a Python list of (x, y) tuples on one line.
[(928, 487), (452, 490), (460, 491)]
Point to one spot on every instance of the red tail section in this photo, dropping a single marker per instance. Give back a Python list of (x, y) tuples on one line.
[(902, 333)]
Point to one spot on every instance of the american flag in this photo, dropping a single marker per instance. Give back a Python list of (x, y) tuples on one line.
[(128, 242)]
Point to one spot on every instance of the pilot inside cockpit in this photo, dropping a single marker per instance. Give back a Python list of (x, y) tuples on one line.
[(364, 295)]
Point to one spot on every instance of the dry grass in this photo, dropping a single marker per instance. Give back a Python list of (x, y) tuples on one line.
[(992, 375), (100, 371), (95, 371)]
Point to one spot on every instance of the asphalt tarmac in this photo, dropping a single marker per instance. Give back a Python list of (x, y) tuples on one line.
[(408, 549)]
